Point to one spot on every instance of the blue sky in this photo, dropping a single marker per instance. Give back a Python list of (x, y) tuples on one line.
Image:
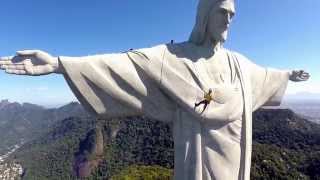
[(281, 34)]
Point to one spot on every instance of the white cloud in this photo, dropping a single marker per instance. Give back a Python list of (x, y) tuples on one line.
[(309, 87)]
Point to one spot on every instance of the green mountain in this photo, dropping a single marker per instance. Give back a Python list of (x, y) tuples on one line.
[(20, 123), (285, 146)]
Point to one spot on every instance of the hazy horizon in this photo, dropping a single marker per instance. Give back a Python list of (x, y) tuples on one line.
[(298, 97)]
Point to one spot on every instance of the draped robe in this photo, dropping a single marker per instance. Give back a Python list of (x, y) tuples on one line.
[(164, 83)]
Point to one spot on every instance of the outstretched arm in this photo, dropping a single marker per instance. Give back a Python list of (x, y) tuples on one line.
[(270, 84), (31, 62), (109, 85)]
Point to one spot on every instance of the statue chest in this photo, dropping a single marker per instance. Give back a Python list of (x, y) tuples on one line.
[(216, 70)]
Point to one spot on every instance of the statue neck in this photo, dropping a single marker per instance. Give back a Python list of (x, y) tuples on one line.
[(213, 46)]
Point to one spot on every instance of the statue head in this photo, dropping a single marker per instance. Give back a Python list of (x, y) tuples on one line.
[(212, 21)]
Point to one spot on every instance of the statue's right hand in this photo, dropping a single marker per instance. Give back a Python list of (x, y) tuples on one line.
[(29, 62)]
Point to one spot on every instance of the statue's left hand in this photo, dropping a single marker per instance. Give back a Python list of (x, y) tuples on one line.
[(29, 62), (299, 75)]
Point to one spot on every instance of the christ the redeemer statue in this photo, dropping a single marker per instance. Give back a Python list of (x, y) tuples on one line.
[(167, 82)]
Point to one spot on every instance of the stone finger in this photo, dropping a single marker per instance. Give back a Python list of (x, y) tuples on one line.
[(17, 67), (5, 62), (14, 71), (27, 52), (7, 58)]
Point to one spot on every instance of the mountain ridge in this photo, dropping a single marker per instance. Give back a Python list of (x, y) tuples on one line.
[(26, 121)]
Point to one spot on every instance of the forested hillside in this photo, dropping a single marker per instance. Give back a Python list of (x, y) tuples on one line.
[(286, 146)]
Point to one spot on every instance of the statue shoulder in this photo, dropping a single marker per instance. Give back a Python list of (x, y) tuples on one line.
[(240, 57), (235, 53), (183, 51), (158, 49), (163, 51), (179, 47)]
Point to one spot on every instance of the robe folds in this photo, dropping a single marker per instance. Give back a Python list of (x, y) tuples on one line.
[(164, 83)]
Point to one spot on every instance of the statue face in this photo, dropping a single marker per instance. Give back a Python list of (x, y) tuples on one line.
[(219, 20)]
